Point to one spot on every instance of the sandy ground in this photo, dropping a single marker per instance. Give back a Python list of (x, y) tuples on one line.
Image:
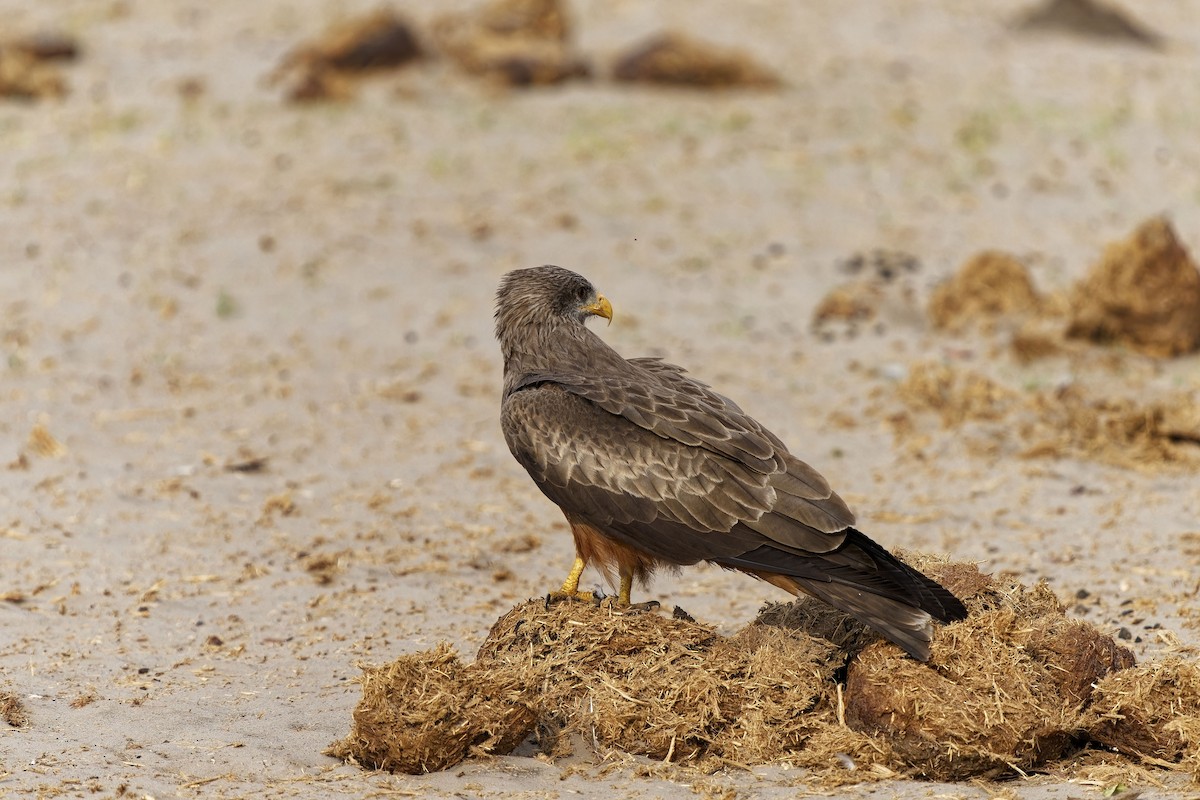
[(190, 285)]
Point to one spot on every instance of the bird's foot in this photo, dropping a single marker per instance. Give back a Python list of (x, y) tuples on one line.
[(600, 600)]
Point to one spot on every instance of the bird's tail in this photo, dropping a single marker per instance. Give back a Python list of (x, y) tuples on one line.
[(865, 581)]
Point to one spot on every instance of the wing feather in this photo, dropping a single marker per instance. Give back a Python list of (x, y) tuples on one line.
[(615, 471)]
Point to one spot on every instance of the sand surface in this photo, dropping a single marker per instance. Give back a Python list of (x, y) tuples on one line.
[(259, 337)]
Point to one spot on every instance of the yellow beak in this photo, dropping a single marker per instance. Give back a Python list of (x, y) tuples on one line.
[(601, 308)]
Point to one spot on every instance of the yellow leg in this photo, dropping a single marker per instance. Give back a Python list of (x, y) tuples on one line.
[(570, 587), (571, 584), (623, 595)]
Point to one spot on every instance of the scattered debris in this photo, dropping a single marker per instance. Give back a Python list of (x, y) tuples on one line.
[(679, 60), (956, 395), (321, 70), (323, 567), (43, 443), (1144, 293), (248, 463), (1088, 18), (24, 73), (1012, 687), (514, 42), (281, 504), (990, 284), (1062, 421), (849, 305), (1036, 339), (1121, 431)]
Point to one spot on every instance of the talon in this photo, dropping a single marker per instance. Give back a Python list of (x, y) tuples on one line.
[(649, 605)]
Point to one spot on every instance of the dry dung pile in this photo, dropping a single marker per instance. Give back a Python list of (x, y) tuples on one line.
[(1007, 688), (1015, 686), (321, 69), (678, 60), (25, 69), (1087, 18), (514, 42), (1151, 712), (989, 285), (12, 710), (428, 711), (1144, 293)]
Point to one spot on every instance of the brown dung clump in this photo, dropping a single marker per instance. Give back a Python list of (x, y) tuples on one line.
[(1144, 293), (1151, 712), (1007, 689), (990, 284), (679, 60), (320, 70), (427, 711), (1066, 421), (1088, 18), (24, 76), (12, 710), (666, 688), (514, 42)]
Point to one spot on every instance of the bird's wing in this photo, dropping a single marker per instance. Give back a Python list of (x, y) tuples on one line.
[(636, 455)]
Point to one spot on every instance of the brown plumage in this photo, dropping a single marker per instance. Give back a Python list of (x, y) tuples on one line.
[(653, 468)]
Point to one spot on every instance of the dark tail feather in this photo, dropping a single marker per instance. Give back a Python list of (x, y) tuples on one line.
[(900, 623), (865, 581)]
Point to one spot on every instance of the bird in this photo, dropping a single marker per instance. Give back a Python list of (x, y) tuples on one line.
[(654, 469)]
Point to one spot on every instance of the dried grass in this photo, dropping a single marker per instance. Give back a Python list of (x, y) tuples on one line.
[(956, 395), (1014, 687), (427, 711), (1143, 433), (1113, 430), (12, 710), (1151, 712)]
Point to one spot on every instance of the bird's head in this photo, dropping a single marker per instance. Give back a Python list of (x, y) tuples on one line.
[(543, 299)]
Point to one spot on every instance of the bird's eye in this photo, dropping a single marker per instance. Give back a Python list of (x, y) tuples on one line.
[(582, 293)]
